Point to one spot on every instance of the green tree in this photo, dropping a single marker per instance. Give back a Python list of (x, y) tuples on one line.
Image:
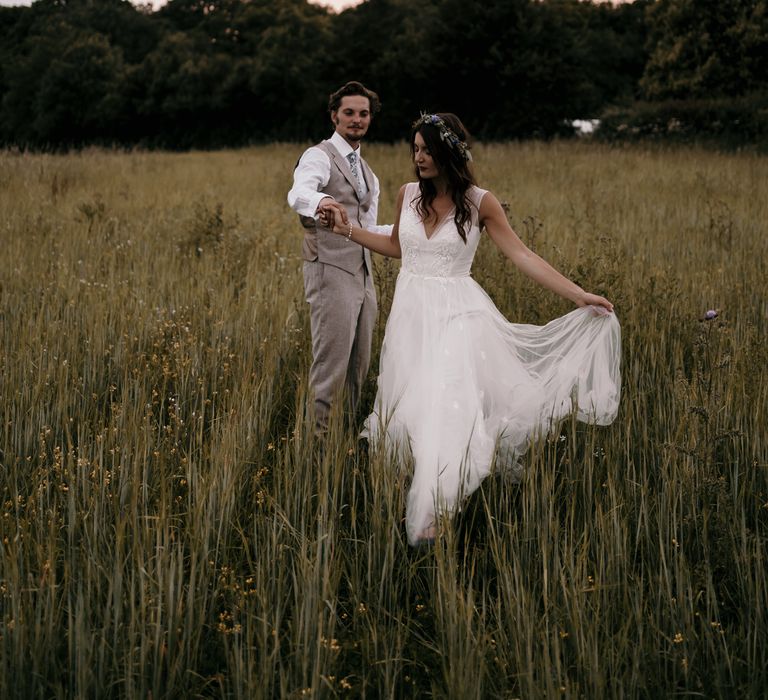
[(37, 45), (511, 67), (227, 72), (79, 95), (508, 67), (64, 68), (385, 44), (609, 44), (289, 59), (177, 92), (706, 48)]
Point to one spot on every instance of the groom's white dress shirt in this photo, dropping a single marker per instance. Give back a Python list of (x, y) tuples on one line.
[(311, 176)]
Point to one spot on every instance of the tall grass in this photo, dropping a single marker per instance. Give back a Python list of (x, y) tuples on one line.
[(170, 528)]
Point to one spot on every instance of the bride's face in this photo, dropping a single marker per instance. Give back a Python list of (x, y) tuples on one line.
[(423, 159)]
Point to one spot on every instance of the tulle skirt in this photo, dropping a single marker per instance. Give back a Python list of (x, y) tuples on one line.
[(459, 385)]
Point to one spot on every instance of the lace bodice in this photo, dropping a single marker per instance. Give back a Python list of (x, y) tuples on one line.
[(444, 254)]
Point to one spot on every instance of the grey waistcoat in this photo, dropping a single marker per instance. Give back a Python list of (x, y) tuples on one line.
[(321, 243)]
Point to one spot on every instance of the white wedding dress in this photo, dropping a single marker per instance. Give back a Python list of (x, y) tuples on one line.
[(459, 385)]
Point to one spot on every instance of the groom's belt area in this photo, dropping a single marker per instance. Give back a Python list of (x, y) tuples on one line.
[(322, 245)]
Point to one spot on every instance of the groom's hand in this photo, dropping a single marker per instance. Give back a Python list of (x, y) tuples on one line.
[(331, 212), (336, 224)]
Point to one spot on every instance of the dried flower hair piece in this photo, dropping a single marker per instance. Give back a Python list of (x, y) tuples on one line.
[(446, 134)]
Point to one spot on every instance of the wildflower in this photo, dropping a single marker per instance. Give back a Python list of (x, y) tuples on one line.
[(709, 315), (678, 639), (332, 644)]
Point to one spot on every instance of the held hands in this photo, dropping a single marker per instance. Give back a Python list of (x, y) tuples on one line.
[(333, 216)]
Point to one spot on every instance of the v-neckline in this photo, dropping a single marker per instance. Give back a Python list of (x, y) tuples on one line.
[(440, 223)]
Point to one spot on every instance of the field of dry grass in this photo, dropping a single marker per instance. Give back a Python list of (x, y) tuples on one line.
[(169, 530)]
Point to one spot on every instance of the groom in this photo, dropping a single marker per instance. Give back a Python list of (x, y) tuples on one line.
[(331, 179)]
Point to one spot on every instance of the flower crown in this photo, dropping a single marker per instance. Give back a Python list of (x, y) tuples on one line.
[(446, 134)]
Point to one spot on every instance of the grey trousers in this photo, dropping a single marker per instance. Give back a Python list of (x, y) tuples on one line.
[(342, 312)]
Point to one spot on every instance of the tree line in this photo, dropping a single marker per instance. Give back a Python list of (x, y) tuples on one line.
[(211, 73)]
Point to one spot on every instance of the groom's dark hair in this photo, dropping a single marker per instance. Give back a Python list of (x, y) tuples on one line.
[(353, 88)]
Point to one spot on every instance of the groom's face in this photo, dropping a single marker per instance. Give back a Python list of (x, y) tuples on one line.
[(352, 118)]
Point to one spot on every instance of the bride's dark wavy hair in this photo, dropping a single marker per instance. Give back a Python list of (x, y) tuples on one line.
[(451, 163)]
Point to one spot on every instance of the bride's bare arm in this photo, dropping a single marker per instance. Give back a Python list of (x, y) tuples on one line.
[(494, 219), (386, 245)]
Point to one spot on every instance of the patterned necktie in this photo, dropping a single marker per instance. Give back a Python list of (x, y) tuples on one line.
[(352, 158)]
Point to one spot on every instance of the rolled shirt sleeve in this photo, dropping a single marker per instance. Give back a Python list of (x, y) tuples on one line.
[(309, 179)]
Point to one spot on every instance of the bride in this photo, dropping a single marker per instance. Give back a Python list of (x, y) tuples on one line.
[(460, 387)]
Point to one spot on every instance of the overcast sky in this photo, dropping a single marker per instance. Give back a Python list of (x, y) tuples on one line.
[(335, 4)]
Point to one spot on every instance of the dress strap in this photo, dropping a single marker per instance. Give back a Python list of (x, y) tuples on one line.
[(411, 192), (476, 195)]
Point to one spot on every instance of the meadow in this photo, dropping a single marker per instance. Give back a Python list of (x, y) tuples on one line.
[(169, 528)]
